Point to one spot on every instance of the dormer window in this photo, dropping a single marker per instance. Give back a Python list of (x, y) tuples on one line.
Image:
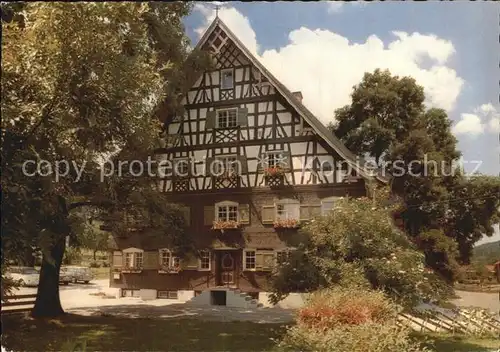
[(227, 79), (227, 118)]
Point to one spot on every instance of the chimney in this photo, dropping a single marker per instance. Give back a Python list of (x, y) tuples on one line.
[(298, 95)]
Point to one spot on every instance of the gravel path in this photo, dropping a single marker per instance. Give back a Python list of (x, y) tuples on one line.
[(81, 299), (489, 301)]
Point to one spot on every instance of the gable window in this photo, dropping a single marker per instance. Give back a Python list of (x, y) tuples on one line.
[(275, 159), (227, 164), (168, 262), (227, 79), (181, 167), (258, 260), (226, 211), (227, 118), (204, 261), (134, 259)]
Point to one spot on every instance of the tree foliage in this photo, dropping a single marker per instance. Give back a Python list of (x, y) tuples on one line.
[(444, 211), (79, 82), (357, 244)]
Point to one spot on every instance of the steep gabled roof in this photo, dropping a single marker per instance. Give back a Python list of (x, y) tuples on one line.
[(308, 116)]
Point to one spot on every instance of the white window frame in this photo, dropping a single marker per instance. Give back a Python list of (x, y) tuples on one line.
[(245, 251), (174, 262), (136, 256), (291, 209), (202, 252), (325, 204), (228, 110), (222, 79), (231, 169), (280, 162), (258, 252), (182, 161), (226, 204)]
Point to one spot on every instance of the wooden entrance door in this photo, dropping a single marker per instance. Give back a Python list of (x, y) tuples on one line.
[(226, 267)]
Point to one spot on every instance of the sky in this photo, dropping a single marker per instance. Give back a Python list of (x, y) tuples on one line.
[(323, 49)]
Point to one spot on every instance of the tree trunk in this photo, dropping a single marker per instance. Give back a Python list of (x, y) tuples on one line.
[(48, 303), (95, 251)]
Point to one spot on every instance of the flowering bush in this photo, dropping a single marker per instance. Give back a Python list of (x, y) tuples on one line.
[(350, 319), (274, 171), (286, 223), (221, 225)]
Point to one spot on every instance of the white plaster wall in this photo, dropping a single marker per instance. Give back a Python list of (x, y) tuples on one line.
[(147, 294), (185, 295), (293, 301)]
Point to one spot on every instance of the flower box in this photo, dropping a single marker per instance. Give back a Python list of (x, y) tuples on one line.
[(225, 225), (228, 175), (286, 224), (167, 269), (274, 171), (133, 269)]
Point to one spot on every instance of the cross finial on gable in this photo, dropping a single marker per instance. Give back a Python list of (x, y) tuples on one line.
[(217, 7)]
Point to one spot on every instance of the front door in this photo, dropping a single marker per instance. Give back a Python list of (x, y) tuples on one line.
[(226, 267)]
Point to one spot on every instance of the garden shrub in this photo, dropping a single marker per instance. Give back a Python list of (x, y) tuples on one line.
[(351, 319), (94, 264)]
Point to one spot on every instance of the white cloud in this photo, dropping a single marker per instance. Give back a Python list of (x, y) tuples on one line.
[(469, 124), (334, 6), (485, 118), (324, 65)]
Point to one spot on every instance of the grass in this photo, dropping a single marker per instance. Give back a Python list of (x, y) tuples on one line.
[(125, 334), (457, 343), (111, 333)]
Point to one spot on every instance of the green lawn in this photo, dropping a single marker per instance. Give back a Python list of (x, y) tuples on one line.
[(126, 334), (119, 334)]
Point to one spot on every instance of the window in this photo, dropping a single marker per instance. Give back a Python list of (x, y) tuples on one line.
[(275, 159), (282, 256), (168, 261), (227, 118), (167, 294), (226, 211), (258, 260), (181, 167), (287, 209), (134, 258), (204, 260), (227, 79), (249, 260), (226, 164)]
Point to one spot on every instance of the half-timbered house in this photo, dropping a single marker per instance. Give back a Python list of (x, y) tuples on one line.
[(250, 163)]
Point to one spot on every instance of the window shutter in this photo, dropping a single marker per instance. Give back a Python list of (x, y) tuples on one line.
[(268, 213), (314, 210), (150, 260), (268, 261), (259, 261), (209, 215), (242, 116), (190, 261), (244, 210), (305, 213), (117, 259), (210, 122), (186, 212), (287, 160), (244, 165)]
